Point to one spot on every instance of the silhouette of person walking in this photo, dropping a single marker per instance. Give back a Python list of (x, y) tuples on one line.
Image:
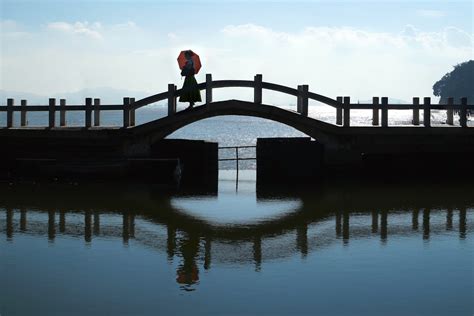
[(190, 88)]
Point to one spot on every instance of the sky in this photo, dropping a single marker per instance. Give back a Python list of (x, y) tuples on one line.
[(360, 49)]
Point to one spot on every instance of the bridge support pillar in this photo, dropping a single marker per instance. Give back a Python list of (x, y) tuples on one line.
[(288, 160)]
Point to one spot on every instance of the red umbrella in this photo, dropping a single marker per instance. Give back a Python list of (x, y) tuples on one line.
[(194, 57)]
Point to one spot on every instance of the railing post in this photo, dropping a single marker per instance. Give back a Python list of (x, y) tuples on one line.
[(257, 92), (299, 99), (88, 112), (416, 111), (347, 111), (426, 112), (23, 113), (126, 112), (384, 111), (339, 112), (375, 111), (208, 88), (62, 112), (450, 112), (10, 103), (96, 112), (132, 112), (304, 102), (463, 113), (52, 114), (171, 99)]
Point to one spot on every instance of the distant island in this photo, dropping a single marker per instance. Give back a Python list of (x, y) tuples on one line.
[(458, 83)]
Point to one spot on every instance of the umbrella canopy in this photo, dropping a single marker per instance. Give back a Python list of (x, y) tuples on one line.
[(194, 57)]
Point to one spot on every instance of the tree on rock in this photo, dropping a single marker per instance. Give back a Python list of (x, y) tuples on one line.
[(457, 84)]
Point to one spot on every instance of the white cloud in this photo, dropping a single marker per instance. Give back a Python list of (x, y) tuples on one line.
[(129, 25), (10, 29), (431, 13), (332, 60), (248, 29), (172, 36), (457, 37), (350, 61), (79, 28), (409, 31)]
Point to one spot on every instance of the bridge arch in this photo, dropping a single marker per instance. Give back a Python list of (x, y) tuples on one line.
[(159, 129)]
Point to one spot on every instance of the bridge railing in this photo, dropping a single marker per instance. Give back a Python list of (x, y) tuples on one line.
[(379, 106)]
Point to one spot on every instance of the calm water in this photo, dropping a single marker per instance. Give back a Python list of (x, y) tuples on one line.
[(343, 249), (335, 250)]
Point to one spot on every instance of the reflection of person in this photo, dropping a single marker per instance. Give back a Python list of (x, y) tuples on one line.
[(188, 272), (190, 89)]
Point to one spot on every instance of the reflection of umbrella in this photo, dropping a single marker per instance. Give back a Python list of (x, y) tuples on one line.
[(194, 57), (188, 277)]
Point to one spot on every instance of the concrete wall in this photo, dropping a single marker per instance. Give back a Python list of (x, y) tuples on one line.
[(289, 160), (198, 159)]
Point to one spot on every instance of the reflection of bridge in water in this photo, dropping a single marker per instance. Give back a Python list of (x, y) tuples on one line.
[(146, 230), (146, 217), (198, 248)]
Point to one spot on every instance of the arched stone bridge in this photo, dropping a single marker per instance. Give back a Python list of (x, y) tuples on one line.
[(339, 139)]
